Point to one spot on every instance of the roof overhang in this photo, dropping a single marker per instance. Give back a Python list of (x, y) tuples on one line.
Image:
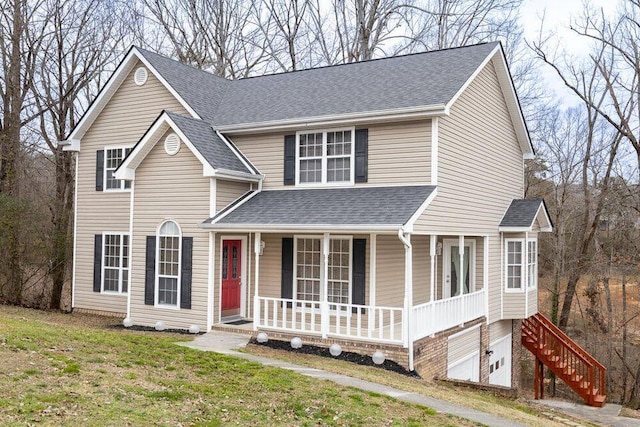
[(381, 116), (123, 69), (499, 60), (541, 217), (160, 126), (216, 223)]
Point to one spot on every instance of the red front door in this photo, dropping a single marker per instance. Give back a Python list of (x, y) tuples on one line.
[(231, 274)]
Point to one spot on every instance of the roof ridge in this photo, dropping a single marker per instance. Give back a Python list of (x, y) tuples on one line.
[(367, 61), (169, 58)]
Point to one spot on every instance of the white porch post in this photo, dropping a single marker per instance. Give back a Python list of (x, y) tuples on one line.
[(432, 279), (405, 238), (257, 239), (526, 274), (324, 287), (211, 278), (372, 281), (461, 272), (485, 276)]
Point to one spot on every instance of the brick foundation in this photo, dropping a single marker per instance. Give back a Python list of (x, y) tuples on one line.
[(99, 313), (396, 353), (431, 353)]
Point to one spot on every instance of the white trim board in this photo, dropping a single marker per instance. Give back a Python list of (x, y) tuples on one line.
[(108, 90)]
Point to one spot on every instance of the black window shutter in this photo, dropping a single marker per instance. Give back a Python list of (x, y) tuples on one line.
[(286, 289), (362, 155), (185, 274), (99, 170), (97, 262), (150, 271), (289, 160), (359, 259)]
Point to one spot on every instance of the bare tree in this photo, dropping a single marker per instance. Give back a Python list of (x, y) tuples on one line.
[(80, 43), (22, 29)]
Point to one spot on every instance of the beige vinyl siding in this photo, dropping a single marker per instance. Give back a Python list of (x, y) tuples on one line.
[(389, 271), (271, 267), (122, 122), (495, 287), (462, 345), (514, 305), (480, 166), (421, 269), (399, 154), (532, 297), (170, 187), (228, 191), (499, 329)]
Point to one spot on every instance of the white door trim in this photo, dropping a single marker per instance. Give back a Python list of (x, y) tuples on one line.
[(446, 264), (243, 272)]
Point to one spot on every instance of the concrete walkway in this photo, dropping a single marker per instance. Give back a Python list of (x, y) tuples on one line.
[(608, 415), (227, 343)]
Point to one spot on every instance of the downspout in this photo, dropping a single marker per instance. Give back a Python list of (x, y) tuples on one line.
[(405, 238), (131, 204)]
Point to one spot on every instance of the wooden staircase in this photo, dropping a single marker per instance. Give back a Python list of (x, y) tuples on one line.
[(570, 362)]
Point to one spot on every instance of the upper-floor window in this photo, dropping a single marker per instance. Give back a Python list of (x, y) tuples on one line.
[(112, 159), (115, 264), (325, 157), (521, 269)]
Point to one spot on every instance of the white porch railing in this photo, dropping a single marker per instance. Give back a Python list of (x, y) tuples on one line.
[(377, 324), (432, 317)]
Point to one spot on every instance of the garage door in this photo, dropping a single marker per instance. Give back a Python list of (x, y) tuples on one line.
[(463, 358), (500, 362)]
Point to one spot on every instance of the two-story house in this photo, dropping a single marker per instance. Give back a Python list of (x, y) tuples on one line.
[(377, 205)]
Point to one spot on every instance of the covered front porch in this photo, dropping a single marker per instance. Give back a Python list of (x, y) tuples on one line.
[(346, 264), (410, 291)]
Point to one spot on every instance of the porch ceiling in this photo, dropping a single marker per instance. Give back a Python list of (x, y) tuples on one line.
[(356, 207)]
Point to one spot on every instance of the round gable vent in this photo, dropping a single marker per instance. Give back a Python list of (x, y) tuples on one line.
[(172, 144), (140, 76)]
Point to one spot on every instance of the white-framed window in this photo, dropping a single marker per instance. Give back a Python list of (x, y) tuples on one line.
[(308, 269), (521, 267), (532, 263), (115, 262), (514, 263), (325, 157), (168, 265), (112, 159)]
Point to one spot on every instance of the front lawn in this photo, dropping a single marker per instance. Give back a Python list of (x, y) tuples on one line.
[(59, 369)]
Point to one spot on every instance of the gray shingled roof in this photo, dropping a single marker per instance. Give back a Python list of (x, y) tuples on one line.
[(416, 80), (202, 90), (208, 143), (521, 213), (392, 206)]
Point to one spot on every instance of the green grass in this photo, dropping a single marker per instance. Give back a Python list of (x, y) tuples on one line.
[(73, 370)]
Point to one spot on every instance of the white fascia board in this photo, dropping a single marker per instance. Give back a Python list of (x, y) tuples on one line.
[(107, 91), (409, 225), (236, 176), (166, 84), (245, 161), (141, 149), (543, 218), (471, 79), (516, 229), (289, 228), (511, 99), (70, 145), (352, 119)]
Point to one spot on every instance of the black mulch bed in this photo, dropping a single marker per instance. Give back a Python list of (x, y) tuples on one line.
[(360, 359), (152, 329)]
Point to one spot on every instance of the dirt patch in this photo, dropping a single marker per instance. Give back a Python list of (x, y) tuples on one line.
[(348, 356)]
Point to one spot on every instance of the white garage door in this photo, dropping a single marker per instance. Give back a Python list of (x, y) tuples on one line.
[(500, 362), (467, 369), (463, 358)]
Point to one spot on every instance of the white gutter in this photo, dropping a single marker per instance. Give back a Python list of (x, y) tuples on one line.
[(330, 120), (391, 229), (408, 289)]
